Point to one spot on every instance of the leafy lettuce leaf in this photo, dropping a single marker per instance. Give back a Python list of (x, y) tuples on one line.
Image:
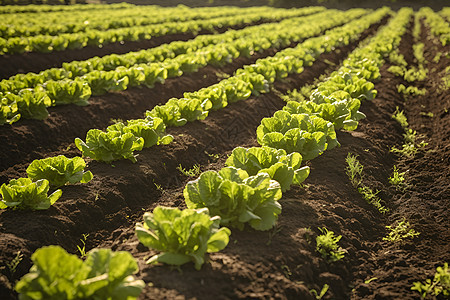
[(23, 193), (59, 170), (282, 167), (57, 274), (181, 235), (236, 197)]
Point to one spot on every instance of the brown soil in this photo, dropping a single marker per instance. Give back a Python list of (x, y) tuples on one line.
[(283, 263)]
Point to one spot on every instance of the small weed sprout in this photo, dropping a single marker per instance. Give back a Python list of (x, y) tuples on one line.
[(410, 136), (308, 234), (370, 280), (354, 169), (398, 180), (427, 114), (322, 293), (439, 285), (327, 245), (402, 231), (397, 177), (410, 147), (213, 156), (400, 117), (287, 272), (158, 187), (12, 265), (193, 172), (82, 249), (371, 197), (276, 229)]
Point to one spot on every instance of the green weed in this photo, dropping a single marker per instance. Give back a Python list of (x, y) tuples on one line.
[(439, 285), (322, 293), (193, 172), (327, 245), (401, 231)]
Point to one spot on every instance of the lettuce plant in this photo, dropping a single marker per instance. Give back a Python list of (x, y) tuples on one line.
[(59, 170), (181, 235), (177, 112), (104, 274), (151, 129), (109, 146), (308, 135), (121, 140), (337, 112), (68, 91), (282, 167), (32, 104), (102, 82), (8, 110), (236, 197), (23, 193)]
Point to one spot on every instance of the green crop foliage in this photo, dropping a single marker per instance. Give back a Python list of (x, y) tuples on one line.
[(236, 197), (181, 236), (23, 193), (282, 167), (59, 170), (57, 274)]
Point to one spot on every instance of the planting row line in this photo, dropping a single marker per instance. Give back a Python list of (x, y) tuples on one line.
[(32, 103), (73, 22), (17, 9), (97, 38), (75, 69), (233, 196), (439, 27)]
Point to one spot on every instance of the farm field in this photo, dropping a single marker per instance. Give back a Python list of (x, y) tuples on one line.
[(320, 138)]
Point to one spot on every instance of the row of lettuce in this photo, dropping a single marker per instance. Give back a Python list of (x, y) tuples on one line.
[(26, 25), (29, 95), (98, 38), (74, 69), (246, 191), (439, 27), (17, 9)]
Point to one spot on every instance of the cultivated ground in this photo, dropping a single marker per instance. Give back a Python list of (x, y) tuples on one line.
[(281, 263)]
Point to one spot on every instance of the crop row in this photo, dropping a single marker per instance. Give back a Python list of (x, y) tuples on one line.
[(233, 195), (58, 23), (50, 43), (438, 26), (19, 99), (75, 69), (13, 9)]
